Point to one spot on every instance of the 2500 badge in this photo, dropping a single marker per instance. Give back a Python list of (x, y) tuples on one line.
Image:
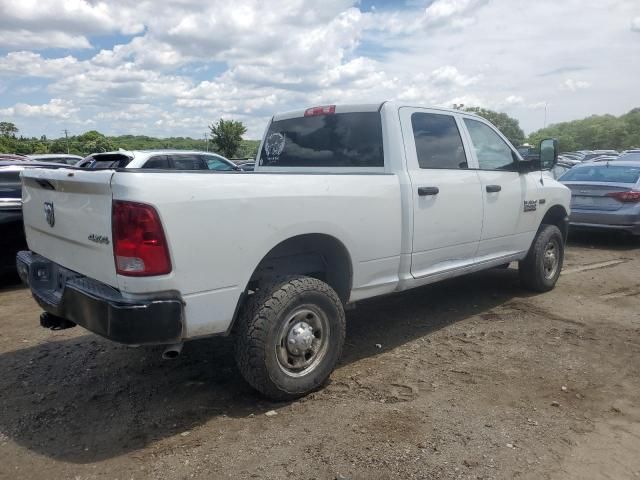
[(530, 205)]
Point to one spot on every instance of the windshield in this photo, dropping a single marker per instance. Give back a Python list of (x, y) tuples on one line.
[(334, 140), (603, 173)]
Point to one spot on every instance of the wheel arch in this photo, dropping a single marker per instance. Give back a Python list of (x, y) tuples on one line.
[(317, 255), (557, 215)]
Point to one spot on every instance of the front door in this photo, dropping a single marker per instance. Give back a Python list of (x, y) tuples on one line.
[(510, 198), (447, 199)]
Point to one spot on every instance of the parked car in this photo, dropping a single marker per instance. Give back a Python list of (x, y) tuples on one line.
[(161, 257), (605, 195), (12, 237), (56, 158), (247, 166), (560, 169), (635, 156), (11, 157), (160, 160)]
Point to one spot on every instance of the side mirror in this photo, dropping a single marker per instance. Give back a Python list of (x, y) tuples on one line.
[(548, 153)]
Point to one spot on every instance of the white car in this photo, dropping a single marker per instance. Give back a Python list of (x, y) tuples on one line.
[(160, 160), (63, 158), (347, 202)]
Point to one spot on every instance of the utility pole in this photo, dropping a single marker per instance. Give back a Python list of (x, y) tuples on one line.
[(66, 135), (206, 142), (545, 115)]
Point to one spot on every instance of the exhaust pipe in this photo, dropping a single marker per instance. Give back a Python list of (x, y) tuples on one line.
[(172, 352)]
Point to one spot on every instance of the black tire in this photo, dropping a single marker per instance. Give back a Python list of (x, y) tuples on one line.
[(535, 272), (264, 360)]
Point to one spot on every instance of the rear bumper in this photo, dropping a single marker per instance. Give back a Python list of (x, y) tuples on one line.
[(600, 220), (156, 319), (633, 229)]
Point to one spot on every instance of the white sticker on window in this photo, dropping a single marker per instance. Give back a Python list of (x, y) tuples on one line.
[(274, 145)]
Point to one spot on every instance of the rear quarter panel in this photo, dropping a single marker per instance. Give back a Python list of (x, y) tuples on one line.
[(219, 226)]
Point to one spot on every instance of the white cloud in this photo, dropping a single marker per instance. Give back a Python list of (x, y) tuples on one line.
[(443, 11), (573, 85), (40, 40), (190, 63), (449, 75), (57, 108), (635, 24)]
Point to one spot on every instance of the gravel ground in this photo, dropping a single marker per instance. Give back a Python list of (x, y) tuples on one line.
[(473, 378)]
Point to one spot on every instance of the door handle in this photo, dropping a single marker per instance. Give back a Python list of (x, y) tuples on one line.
[(424, 191), (493, 188)]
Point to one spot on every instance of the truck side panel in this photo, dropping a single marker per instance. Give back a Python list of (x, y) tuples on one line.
[(220, 226)]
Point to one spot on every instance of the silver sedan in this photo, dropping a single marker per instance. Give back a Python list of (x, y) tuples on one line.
[(605, 195)]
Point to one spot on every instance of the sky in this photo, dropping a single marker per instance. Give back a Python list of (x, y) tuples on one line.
[(171, 68)]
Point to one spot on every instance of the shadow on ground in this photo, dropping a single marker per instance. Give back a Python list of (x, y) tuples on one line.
[(86, 399), (603, 240)]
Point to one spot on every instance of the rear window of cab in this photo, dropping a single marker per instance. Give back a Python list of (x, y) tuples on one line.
[(332, 140)]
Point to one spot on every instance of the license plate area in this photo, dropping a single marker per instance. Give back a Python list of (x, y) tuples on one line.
[(49, 279)]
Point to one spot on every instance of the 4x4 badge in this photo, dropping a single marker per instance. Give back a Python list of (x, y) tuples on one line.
[(49, 213)]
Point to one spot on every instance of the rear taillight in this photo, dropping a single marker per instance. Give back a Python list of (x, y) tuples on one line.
[(317, 111), (139, 246), (626, 197)]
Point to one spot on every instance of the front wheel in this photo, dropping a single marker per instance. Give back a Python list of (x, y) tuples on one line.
[(540, 269), (290, 336)]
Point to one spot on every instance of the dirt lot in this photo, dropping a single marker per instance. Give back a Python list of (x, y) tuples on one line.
[(475, 378)]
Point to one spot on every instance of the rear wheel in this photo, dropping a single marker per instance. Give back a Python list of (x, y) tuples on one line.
[(290, 336), (540, 270)]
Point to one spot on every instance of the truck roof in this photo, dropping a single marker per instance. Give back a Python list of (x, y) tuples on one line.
[(364, 107)]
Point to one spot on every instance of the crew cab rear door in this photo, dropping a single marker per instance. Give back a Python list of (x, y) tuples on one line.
[(67, 219), (447, 200)]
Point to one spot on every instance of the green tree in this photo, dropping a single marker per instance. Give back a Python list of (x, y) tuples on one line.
[(597, 132), (509, 126), (92, 142), (227, 136), (8, 129)]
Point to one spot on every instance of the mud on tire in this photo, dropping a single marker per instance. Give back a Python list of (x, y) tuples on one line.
[(289, 336)]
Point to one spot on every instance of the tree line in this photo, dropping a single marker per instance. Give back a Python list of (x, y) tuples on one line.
[(226, 138), (596, 132)]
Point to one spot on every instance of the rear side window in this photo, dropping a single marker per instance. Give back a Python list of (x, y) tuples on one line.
[(603, 173), (159, 162), (188, 162), (333, 140), (438, 141)]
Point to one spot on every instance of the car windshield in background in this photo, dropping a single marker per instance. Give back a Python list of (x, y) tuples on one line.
[(334, 140), (603, 173)]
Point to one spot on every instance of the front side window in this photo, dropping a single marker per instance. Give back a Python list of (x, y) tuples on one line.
[(492, 151), (332, 140), (438, 141)]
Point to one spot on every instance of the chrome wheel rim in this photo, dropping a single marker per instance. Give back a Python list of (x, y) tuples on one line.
[(302, 341), (551, 258)]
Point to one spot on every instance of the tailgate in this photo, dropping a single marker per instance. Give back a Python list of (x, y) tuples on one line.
[(67, 219)]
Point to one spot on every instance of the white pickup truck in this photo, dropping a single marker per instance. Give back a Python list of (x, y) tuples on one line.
[(347, 202)]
